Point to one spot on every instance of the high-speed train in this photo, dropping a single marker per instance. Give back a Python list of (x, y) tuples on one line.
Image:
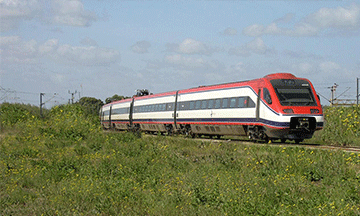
[(278, 106)]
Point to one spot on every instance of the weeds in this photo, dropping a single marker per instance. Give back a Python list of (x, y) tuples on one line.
[(51, 168)]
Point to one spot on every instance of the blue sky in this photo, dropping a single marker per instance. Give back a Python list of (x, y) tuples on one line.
[(101, 47)]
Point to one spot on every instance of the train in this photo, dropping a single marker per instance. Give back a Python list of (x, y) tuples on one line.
[(279, 106)]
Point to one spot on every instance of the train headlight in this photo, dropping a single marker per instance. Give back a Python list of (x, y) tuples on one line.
[(314, 111), (288, 110)]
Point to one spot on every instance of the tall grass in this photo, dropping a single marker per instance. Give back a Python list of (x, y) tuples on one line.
[(342, 126), (66, 164)]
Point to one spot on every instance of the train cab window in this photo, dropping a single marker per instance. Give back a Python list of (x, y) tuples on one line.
[(203, 104), (192, 105), (217, 103), (266, 96), (197, 105), (210, 104), (225, 103), (250, 103), (232, 102)]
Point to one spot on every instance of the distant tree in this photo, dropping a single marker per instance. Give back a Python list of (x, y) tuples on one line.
[(91, 105), (115, 97)]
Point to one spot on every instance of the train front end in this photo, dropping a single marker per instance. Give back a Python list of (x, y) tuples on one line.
[(297, 106)]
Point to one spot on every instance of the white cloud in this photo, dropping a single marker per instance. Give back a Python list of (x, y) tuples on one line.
[(198, 64), (8, 40), (229, 32), (88, 42), (12, 12), (141, 47), (72, 13), (15, 50), (190, 46), (303, 68), (87, 56), (239, 67), (49, 46), (339, 18), (329, 67), (255, 46), (285, 19), (255, 30), (63, 12), (184, 61)]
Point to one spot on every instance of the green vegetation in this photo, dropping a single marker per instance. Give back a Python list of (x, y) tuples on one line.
[(65, 164), (342, 127)]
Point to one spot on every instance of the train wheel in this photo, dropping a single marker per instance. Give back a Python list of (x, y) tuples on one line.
[(297, 141)]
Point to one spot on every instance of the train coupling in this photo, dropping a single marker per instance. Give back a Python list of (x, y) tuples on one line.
[(306, 123)]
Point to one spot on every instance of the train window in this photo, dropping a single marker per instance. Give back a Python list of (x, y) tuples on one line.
[(182, 106), (163, 107), (187, 105), (169, 106), (192, 105), (197, 105), (232, 102), (217, 103), (241, 102), (225, 102), (266, 96), (250, 103), (211, 104), (203, 104)]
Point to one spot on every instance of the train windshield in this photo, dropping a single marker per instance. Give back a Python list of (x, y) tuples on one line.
[(294, 92)]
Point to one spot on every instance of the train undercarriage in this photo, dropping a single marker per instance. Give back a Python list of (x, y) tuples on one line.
[(300, 128)]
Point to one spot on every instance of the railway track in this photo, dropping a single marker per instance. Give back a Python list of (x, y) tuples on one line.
[(354, 149)]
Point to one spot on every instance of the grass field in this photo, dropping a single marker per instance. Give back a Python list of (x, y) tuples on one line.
[(65, 164)]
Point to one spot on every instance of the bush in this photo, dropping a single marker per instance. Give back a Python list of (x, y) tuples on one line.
[(342, 125), (10, 114)]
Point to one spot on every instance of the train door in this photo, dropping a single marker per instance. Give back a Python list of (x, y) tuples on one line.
[(175, 115), (266, 97)]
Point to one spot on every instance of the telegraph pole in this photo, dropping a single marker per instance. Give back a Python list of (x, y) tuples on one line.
[(333, 89), (41, 104), (72, 96), (357, 91)]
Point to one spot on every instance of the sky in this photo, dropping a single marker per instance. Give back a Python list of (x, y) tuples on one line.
[(98, 48)]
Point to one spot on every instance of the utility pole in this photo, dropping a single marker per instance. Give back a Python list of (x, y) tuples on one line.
[(41, 104), (333, 90), (357, 91), (72, 96)]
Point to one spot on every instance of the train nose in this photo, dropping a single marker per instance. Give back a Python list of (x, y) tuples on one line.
[(307, 123)]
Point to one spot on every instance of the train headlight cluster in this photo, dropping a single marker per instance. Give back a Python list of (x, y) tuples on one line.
[(288, 110), (314, 111)]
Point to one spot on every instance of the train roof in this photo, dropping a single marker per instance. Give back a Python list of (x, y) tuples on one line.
[(212, 87)]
